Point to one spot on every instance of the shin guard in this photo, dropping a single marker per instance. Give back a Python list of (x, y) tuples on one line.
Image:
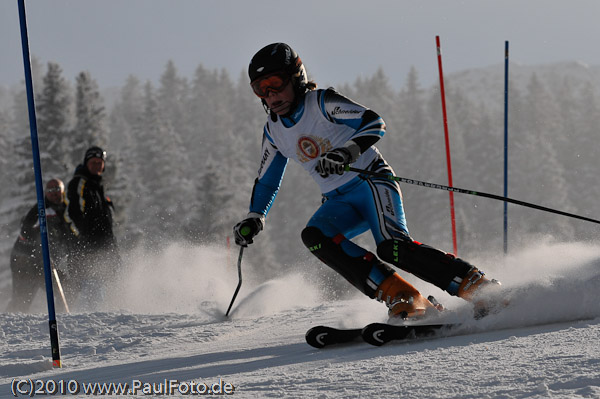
[(364, 272), (432, 265)]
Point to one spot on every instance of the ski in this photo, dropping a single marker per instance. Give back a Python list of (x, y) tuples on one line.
[(375, 333), (322, 336), (380, 333)]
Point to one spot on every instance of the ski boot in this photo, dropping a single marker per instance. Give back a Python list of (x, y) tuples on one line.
[(475, 288), (436, 304), (403, 300), (472, 283)]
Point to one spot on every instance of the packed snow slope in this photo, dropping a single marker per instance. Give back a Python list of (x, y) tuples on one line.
[(167, 324)]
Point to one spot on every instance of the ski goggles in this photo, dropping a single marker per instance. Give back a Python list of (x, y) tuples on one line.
[(274, 82)]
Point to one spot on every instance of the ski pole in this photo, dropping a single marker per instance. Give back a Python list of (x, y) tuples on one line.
[(348, 168), (239, 267), (61, 290)]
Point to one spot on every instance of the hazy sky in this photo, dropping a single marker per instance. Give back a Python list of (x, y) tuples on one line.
[(338, 40)]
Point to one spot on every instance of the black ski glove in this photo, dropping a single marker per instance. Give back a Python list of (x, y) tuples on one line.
[(248, 228), (333, 161)]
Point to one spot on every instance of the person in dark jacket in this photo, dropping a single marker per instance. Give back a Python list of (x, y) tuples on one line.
[(90, 217), (26, 261)]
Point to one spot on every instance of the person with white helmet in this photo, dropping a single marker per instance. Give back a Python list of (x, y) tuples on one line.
[(26, 260), (323, 131)]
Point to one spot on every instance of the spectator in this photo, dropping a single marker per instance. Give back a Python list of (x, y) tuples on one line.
[(26, 260), (90, 217)]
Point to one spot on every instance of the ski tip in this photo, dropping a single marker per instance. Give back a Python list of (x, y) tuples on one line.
[(317, 336), (374, 334), (322, 336)]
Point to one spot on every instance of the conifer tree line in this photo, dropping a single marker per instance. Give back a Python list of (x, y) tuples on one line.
[(183, 154)]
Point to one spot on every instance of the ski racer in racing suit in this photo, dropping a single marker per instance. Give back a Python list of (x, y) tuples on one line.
[(323, 131)]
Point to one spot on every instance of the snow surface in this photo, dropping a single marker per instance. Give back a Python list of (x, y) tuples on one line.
[(168, 324)]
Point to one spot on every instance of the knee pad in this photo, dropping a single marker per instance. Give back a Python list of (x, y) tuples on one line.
[(432, 265), (313, 238)]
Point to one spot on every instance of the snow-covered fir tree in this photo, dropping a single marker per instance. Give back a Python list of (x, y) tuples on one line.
[(54, 118), (90, 118)]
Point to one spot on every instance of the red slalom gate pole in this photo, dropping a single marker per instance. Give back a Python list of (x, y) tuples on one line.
[(448, 159)]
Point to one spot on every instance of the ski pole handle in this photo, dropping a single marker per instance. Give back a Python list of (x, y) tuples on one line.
[(245, 231)]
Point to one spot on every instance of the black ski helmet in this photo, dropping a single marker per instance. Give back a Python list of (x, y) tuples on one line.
[(278, 57)]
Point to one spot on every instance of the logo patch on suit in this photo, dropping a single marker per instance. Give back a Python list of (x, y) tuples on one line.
[(309, 147)]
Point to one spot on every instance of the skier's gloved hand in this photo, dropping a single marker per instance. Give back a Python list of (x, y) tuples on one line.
[(248, 228), (333, 161)]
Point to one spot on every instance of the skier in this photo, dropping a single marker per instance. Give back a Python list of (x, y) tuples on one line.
[(26, 261), (324, 131), (90, 217)]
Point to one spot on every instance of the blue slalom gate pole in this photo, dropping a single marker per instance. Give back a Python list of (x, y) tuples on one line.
[(39, 188), (506, 146)]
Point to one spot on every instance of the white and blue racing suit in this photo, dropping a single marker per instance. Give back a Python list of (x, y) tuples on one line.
[(352, 203)]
